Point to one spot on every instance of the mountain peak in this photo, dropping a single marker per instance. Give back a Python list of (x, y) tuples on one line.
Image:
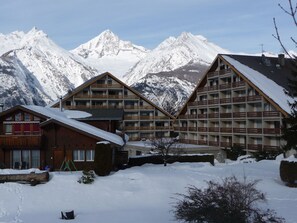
[(36, 32)]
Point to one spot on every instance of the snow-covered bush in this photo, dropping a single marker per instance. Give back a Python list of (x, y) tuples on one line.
[(229, 201), (87, 177)]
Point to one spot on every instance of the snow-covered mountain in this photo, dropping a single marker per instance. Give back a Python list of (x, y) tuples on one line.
[(174, 53), (53, 69), (107, 52)]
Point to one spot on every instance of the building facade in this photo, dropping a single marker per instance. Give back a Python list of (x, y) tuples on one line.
[(239, 102), (142, 119)]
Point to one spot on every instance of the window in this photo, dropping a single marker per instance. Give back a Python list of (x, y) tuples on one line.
[(79, 155), (90, 154), (35, 158), (18, 117), (27, 117), (17, 129), (8, 129)]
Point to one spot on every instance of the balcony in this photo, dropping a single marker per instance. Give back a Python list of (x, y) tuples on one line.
[(272, 131), (239, 130), (203, 102), (193, 129), (213, 129), (213, 101), (130, 117), (225, 100), (271, 114), (202, 89), (225, 86), (254, 98), (255, 130), (202, 129), (106, 86), (225, 144), (213, 88), (255, 146), (213, 115), (193, 103), (225, 71), (239, 114), (238, 84), (270, 147), (226, 130), (202, 142), (192, 141), (226, 115), (239, 99), (213, 74), (214, 143), (24, 141), (254, 114), (202, 116)]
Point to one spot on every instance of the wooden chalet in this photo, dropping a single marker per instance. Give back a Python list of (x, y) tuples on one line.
[(36, 137), (141, 120), (241, 101)]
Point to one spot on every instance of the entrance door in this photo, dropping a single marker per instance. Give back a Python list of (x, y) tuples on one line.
[(58, 158)]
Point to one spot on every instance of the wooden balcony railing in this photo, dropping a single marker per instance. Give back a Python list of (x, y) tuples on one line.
[(130, 117), (213, 129), (203, 102), (239, 99), (193, 103), (239, 130), (255, 146), (225, 144), (254, 114), (270, 147), (202, 129), (272, 131), (238, 84), (213, 101), (225, 100), (226, 130), (106, 86), (14, 141), (226, 115), (213, 88), (193, 129), (271, 114), (239, 114), (202, 89), (202, 116), (225, 86), (202, 142), (192, 141), (213, 115), (213, 143), (255, 130), (254, 98)]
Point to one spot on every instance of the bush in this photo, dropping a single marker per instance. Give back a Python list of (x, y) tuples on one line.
[(288, 172), (267, 155), (230, 201), (103, 159), (87, 177), (234, 152)]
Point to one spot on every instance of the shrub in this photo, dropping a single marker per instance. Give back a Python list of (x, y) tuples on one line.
[(87, 177), (267, 155), (288, 172), (234, 152), (230, 201), (103, 159)]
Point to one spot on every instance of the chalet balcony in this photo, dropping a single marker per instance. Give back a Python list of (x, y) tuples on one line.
[(213, 129), (148, 127), (132, 107), (225, 71), (204, 102), (213, 115), (238, 84), (182, 129), (271, 148), (225, 86), (226, 115), (226, 130), (255, 146), (255, 130), (213, 74), (202, 129), (274, 131), (213, 88), (202, 142), (192, 116), (24, 141), (132, 127), (161, 127), (106, 86), (202, 116), (239, 99), (213, 143), (239, 130), (99, 96), (147, 117), (115, 96), (146, 107), (213, 101), (130, 117), (254, 98), (192, 141), (239, 145), (130, 97), (271, 114), (225, 144), (254, 114), (184, 140), (193, 103), (225, 100), (193, 129), (239, 114)]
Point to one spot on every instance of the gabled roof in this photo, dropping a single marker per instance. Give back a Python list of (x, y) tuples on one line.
[(66, 118), (94, 79), (263, 73)]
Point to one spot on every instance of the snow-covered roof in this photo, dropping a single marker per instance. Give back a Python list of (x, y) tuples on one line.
[(66, 117), (269, 87)]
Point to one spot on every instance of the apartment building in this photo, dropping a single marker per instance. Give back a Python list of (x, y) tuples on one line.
[(141, 120), (241, 101)]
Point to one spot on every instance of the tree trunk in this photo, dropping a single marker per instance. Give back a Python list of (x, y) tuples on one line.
[(32, 178)]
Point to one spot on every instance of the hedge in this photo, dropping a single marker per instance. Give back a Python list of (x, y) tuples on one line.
[(157, 159), (288, 172)]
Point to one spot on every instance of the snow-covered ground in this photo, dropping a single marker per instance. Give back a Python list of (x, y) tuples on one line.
[(139, 194)]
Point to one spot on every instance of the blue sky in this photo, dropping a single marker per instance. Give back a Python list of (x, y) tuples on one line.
[(237, 25)]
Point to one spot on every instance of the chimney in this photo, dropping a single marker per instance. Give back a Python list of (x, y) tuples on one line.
[(61, 108), (281, 59)]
